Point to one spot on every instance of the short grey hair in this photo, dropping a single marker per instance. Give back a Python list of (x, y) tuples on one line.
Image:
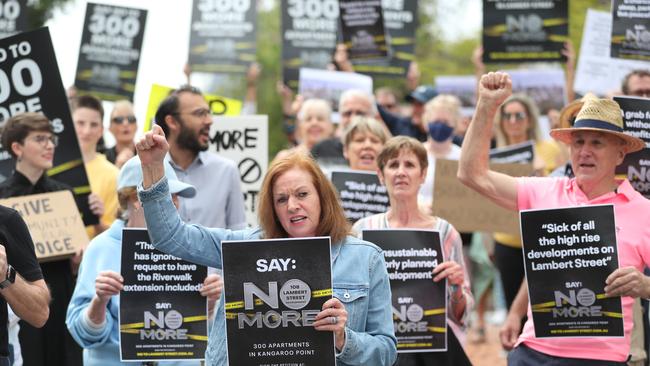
[(356, 93), (363, 124)]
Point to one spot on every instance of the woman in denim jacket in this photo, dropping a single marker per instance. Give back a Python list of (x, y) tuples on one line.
[(296, 200)]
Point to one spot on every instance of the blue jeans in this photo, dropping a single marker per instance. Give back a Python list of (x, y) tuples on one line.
[(525, 356)]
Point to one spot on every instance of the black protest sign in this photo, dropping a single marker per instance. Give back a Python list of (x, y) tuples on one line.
[(524, 31), (222, 35), (274, 289), (110, 51), (14, 17), (568, 254), (636, 165), (400, 22), (162, 314), (419, 304), (630, 29), (30, 82), (520, 153), (361, 193), (309, 31), (362, 29)]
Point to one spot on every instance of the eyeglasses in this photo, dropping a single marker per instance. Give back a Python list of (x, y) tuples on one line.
[(353, 113), (123, 119), (198, 113), (44, 139), (519, 116), (389, 106)]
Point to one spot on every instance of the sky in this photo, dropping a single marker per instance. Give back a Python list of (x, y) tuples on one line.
[(166, 39)]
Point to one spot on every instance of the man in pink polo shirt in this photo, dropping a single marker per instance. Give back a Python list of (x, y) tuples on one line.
[(597, 144)]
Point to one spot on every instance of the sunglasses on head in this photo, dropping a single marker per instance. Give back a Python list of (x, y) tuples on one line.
[(122, 119), (519, 116)]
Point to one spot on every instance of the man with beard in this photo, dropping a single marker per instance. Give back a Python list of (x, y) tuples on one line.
[(185, 118)]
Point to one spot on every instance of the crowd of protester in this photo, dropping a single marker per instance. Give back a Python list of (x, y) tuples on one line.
[(168, 182)]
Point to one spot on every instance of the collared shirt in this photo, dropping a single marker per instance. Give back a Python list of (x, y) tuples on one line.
[(633, 239), (20, 185), (219, 201)]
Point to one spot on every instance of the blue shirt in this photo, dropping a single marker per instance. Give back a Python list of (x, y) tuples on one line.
[(101, 345), (360, 280), (219, 201)]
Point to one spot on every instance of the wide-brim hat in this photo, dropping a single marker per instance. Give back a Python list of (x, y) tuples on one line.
[(599, 115), (131, 176), (569, 112)]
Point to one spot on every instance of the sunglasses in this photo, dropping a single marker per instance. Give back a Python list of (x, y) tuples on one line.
[(123, 119), (519, 116)]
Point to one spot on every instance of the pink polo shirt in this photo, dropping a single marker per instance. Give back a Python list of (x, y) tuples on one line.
[(633, 238)]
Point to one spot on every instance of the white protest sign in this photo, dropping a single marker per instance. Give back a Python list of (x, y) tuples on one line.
[(597, 72), (244, 140)]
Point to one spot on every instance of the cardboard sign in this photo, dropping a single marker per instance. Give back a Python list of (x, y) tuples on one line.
[(218, 105), (245, 141), (636, 165), (523, 153), (466, 209), (30, 82), (419, 304), (162, 314), (568, 254), (309, 31), (329, 85), (630, 29), (597, 71), (14, 17), (400, 23), (524, 31), (362, 29), (274, 289), (110, 51), (223, 35), (53, 221), (361, 194)]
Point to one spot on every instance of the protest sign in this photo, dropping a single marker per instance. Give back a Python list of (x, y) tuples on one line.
[(53, 221), (362, 29), (400, 22), (419, 304), (329, 85), (309, 31), (14, 17), (568, 254), (519, 153), (162, 314), (524, 31), (274, 289), (223, 35), (630, 29), (546, 87), (361, 194), (597, 71), (468, 210), (462, 86), (109, 54), (30, 82), (636, 165), (245, 141), (218, 105)]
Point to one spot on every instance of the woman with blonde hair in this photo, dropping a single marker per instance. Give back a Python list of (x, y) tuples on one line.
[(362, 141), (314, 124)]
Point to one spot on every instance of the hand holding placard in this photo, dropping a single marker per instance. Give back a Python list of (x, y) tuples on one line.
[(627, 281)]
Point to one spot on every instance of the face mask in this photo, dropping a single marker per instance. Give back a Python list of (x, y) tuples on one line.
[(440, 131)]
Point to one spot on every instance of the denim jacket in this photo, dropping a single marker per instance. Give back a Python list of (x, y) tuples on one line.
[(360, 280)]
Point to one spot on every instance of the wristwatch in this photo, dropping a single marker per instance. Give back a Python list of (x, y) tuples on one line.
[(10, 278)]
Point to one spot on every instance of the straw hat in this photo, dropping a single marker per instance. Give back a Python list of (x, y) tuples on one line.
[(601, 115), (568, 113)]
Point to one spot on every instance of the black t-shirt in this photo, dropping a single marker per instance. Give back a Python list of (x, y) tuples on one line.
[(19, 248)]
